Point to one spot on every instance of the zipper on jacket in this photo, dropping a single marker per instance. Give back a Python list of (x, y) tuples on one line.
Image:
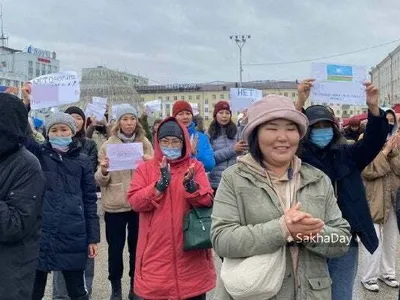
[(174, 246)]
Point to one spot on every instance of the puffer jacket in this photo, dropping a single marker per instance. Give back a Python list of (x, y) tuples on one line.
[(163, 269), (114, 186), (224, 155), (246, 222), (70, 220), (382, 179), (89, 147), (205, 153)]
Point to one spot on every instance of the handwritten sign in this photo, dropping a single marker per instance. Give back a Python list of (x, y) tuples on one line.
[(340, 84), (195, 108), (124, 156), (93, 110), (54, 90), (153, 106), (241, 98), (99, 101)]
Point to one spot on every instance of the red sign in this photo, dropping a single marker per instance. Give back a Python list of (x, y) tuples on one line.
[(44, 60)]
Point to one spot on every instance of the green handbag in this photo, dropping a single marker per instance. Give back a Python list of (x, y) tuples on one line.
[(196, 229)]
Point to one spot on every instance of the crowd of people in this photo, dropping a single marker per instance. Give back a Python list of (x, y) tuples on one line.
[(285, 198)]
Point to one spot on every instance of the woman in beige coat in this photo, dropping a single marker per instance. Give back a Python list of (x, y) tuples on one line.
[(271, 203), (382, 179), (114, 187)]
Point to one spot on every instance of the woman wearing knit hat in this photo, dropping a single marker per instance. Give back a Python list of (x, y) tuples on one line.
[(224, 141), (114, 185), (162, 191), (201, 148), (343, 163), (71, 229), (271, 207), (89, 148)]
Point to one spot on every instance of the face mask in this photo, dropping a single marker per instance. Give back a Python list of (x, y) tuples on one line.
[(391, 126), (60, 141), (321, 137), (171, 153)]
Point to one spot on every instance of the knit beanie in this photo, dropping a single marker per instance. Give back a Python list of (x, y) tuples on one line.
[(170, 128), (274, 107), (354, 122), (221, 105), (75, 110), (181, 105), (125, 109), (60, 118)]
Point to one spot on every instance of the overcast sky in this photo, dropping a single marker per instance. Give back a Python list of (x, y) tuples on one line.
[(188, 41)]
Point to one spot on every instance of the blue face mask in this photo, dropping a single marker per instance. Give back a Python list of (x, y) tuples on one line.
[(321, 137), (60, 141), (171, 153)]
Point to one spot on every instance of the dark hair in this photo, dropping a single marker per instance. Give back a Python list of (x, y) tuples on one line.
[(199, 121), (254, 148), (215, 130)]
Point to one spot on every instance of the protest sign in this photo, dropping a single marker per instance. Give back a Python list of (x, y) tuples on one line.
[(241, 98), (99, 101), (124, 156), (339, 84), (97, 111), (153, 106), (195, 108), (54, 89)]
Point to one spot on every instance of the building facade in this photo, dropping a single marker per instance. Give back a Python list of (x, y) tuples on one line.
[(207, 95), (386, 76)]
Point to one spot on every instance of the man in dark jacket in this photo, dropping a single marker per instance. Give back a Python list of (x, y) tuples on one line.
[(343, 164), (21, 191)]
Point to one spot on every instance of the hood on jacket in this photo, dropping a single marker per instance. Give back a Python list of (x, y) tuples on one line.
[(253, 165), (13, 123), (186, 149), (396, 124)]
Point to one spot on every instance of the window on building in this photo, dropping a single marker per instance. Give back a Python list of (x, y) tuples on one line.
[(351, 112), (8, 83), (345, 112), (30, 64), (206, 101), (175, 98), (48, 69), (197, 97), (206, 118), (160, 97), (190, 97), (214, 97), (167, 98), (293, 95), (4, 64), (221, 96), (55, 69), (30, 73), (285, 94), (206, 110), (37, 72), (167, 107)]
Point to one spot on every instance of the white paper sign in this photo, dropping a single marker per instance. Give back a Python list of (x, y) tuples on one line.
[(340, 84), (241, 98), (153, 106), (97, 111), (99, 101), (114, 111), (54, 90), (195, 108), (124, 156)]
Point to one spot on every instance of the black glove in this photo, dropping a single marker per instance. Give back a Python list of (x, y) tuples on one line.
[(190, 186), (163, 183)]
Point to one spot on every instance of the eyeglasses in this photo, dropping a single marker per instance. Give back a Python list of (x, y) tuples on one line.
[(173, 143)]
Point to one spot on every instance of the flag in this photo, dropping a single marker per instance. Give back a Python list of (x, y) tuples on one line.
[(339, 73)]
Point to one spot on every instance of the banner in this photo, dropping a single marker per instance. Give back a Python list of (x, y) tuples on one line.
[(340, 84), (241, 98), (124, 156), (54, 90), (153, 106)]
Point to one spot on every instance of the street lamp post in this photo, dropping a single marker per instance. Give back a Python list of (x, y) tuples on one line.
[(240, 41)]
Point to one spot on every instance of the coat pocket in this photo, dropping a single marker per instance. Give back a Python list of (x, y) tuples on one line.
[(114, 196), (319, 288)]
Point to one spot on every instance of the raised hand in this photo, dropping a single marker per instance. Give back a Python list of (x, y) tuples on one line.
[(188, 181), (372, 98), (165, 177), (104, 164)]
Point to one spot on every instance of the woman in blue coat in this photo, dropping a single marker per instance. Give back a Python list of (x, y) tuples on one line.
[(70, 231), (343, 164), (201, 147)]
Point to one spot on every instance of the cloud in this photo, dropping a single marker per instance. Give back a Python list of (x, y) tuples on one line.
[(188, 41)]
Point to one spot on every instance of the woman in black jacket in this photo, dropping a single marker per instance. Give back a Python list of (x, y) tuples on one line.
[(22, 185), (71, 228), (343, 164)]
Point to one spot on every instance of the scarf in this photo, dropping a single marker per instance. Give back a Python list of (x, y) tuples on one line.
[(126, 139)]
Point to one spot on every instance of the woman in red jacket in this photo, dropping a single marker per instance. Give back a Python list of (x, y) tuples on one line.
[(162, 191)]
